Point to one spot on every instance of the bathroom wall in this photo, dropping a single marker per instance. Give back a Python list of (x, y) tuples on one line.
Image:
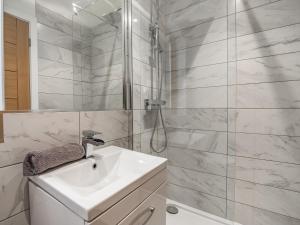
[(143, 14), (80, 65), (64, 65), (24, 132), (234, 122)]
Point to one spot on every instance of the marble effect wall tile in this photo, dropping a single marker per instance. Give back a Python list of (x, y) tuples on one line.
[(268, 43), (208, 54), (275, 174), (206, 183), (19, 219), (248, 215), (265, 121), (267, 69), (280, 201), (265, 95), (112, 124), (13, 191), (48, 101), (269, 16), (54, 85), (203, 119), (197, 97), (207, 141), (198, 160), (213, 75), (24, 132), (269, 147), (54, 69), (196, 199)]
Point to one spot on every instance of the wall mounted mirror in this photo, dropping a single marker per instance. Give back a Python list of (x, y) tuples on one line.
[(63, 55)]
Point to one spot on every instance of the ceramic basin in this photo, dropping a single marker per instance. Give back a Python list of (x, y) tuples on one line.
[(89, 186)]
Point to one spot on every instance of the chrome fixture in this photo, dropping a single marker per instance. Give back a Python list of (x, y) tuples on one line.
[(155, 62), (89, 142)]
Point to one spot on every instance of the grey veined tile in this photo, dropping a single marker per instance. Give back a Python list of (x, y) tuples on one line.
[(269, 147), (243, 5), (280, 201), (267, 69), (208, 54), (204, 119), (13, 194), (197, 199), (248, 215), (265, 95), (197, 97), (265, 121), (275, 174), (205, 76), (112, 124), (192, 12), (200, 34), (269, 16), (197, 160), (54, 69), (19, 219), (26, 132), (207, 183), (267, 43), (207, 141)]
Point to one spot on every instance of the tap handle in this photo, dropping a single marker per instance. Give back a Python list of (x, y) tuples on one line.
[(90, 133)]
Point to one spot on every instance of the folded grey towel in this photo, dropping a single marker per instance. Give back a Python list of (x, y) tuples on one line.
[(38, 162)]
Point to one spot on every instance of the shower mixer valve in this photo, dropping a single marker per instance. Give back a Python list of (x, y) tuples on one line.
[(153, 104)]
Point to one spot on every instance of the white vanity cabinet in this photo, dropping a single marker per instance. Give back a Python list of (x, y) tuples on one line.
[(146, 205)]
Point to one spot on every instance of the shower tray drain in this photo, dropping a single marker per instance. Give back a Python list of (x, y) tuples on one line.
[(172, 209)]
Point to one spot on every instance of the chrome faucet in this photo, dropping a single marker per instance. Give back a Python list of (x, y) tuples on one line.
[(89, 141)]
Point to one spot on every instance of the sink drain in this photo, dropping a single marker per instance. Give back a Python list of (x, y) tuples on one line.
[(172, 209)]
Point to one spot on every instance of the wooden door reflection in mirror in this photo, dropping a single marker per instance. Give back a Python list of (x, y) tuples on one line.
[(16, 63)]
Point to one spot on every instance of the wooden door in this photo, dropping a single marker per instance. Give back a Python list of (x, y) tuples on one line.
[(16, 63)]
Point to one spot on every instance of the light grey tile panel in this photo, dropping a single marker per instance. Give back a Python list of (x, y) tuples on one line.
[(107, 44), (141, 48), (13, 194), (107, 88), (113, 71), (54, 69), (82, 88), (269, 147), (198, 200), (107, 102), (206, 183), (269, 16), (275, 174), (268, 69), (54, 53), (243, 5), (54, 85), (122, 143), (197, 97), (204, 119), (26, 132), (56, 101), (112, 124), (106, 60), (265, 121), (200, 55), (267, 43), (142, 74), (280, 201), (248, 215), (207, 141), (192, 12), (211, 31), (55, 37), (265, 95), (54, 20), (213, 75), (197, 160), (22, 218)]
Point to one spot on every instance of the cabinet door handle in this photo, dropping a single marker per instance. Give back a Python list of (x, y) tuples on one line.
[(149, 210)]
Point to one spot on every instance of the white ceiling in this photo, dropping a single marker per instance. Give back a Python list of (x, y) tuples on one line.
[(96, 7)]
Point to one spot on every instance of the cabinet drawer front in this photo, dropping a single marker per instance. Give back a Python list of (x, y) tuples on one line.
[(151, 212), (121, 209)]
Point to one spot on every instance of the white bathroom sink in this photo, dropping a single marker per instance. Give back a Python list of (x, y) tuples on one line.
[(90, 186)]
